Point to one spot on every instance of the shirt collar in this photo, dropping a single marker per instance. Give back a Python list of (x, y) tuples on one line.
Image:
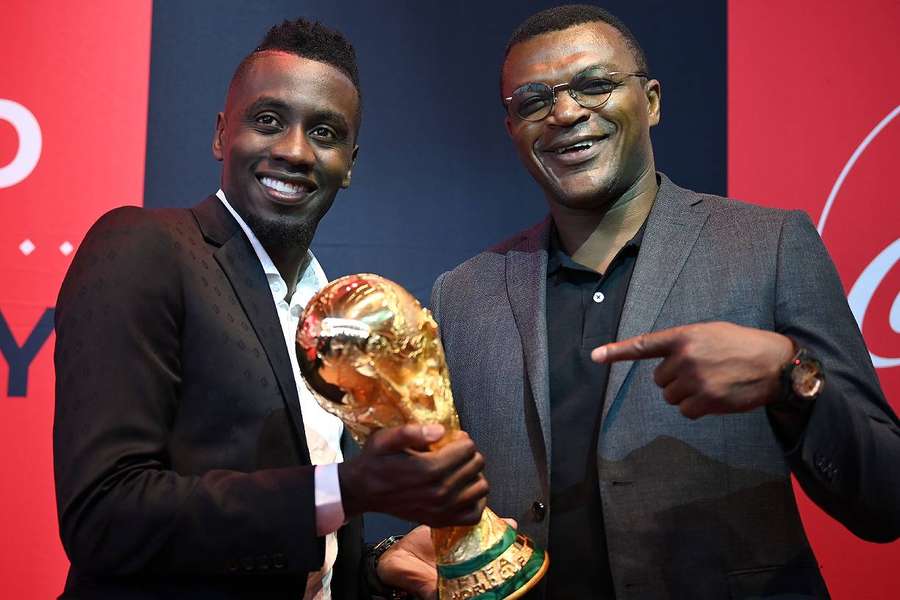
[(557, 257), (311, 280)]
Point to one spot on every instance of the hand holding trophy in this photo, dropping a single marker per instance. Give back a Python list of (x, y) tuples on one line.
[(372, 356)]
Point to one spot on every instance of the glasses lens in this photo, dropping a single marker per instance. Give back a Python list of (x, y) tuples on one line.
[(592, 88), (532, 102)]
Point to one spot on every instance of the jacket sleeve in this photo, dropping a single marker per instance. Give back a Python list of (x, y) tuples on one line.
[(436, 297), (847, 458), (122, 508)]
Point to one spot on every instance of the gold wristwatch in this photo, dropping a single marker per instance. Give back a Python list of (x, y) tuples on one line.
[(802, 380)]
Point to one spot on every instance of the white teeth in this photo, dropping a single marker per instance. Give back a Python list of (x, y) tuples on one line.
[(575, 147), (281, 186)]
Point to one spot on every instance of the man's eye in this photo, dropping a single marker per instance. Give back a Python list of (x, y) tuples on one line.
[(322, 132), (596, 86), (530, 104), (268, 120)]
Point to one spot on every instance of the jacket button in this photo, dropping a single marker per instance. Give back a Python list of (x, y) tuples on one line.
[(538, 510)]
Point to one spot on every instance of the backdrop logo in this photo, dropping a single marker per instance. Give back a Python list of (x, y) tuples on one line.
[(29, 151), (870, 293), (19, 358)]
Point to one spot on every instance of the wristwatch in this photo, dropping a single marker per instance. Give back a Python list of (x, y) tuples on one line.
[(377, 588), (383, 546), (802, 380)]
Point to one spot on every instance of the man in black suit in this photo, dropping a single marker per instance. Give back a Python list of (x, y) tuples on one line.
[(191, 461)]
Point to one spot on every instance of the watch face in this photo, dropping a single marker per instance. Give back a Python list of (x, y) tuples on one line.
[(807, 379)]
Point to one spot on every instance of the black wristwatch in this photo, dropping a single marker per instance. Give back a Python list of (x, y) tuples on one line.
[(802, 381), (378, 589)]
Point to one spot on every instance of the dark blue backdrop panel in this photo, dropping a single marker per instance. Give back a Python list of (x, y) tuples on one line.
[(437, 179)]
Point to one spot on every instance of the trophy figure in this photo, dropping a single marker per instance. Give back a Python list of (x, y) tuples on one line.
[(371, 355)]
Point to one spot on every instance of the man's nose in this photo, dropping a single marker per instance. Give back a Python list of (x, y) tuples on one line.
[(294, 147), (566, 112)]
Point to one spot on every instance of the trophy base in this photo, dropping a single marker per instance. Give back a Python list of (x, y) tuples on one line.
[(508, 570)]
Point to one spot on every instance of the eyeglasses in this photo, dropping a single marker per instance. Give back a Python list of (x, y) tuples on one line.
[(591, 89)]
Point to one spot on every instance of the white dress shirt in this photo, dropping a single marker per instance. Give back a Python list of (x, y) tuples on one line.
[(323, 430)]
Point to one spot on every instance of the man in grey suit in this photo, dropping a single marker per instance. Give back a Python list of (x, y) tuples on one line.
[(649, 478)]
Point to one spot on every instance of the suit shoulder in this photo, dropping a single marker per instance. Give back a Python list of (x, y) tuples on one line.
[(148, 232), (747, 216), (136, 220), (525, 240), (130, 240), (743, 209), (489, 265), (481, 264), (471, 273)]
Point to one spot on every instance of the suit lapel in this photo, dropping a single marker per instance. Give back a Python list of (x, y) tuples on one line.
[(526, 284), (673, 226), (242, 268)]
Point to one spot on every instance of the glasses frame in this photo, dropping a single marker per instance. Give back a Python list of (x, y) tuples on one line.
[(559, 87)]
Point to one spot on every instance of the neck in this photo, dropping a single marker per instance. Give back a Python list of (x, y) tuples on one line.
[(290, 262), (594, 237), (285, 241)]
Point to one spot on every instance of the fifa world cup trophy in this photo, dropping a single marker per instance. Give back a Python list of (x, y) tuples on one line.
[(371, 355)]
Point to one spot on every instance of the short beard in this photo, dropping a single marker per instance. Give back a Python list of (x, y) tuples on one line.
[(282, 232)]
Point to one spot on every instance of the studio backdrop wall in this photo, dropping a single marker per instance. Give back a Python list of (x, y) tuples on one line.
[(105, 103)]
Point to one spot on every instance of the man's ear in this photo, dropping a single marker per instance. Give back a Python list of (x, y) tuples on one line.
[(217, 143), (654, 100), (508, 122), (346, 182)]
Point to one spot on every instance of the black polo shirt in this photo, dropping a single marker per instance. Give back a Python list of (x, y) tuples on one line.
[(583, 312)]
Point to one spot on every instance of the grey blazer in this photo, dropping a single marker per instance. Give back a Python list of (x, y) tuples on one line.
[(699, 509)]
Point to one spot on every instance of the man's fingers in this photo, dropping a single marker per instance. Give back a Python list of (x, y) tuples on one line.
[(456, 462), (694, 407), (468, 508), (407, 437), (466, 474), (647, 345), (678, 390), (667, 371)]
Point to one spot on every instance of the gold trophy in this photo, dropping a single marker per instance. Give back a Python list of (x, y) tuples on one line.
[(371, 355)]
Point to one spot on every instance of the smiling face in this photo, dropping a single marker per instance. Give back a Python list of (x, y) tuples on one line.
[(583, 158), (287, 144)]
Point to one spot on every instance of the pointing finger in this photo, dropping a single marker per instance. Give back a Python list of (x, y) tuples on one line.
[(648, 345)]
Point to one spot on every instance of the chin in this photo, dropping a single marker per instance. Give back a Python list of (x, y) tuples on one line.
[(581, 196), (274, 229), (594, 201)]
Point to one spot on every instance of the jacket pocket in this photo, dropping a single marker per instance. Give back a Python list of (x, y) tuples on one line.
[(779, 581)]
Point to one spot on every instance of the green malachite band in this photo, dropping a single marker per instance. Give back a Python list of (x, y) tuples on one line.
[(522, 577), (473, 564)]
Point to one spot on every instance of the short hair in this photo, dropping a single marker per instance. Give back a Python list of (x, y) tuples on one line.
[(310, 40), (559, 18)]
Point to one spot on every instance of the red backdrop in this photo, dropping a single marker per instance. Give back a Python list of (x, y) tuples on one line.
[(812, 96), (73, 86), (812, 100)]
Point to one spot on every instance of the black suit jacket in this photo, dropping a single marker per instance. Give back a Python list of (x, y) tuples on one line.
[(182, 469)]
